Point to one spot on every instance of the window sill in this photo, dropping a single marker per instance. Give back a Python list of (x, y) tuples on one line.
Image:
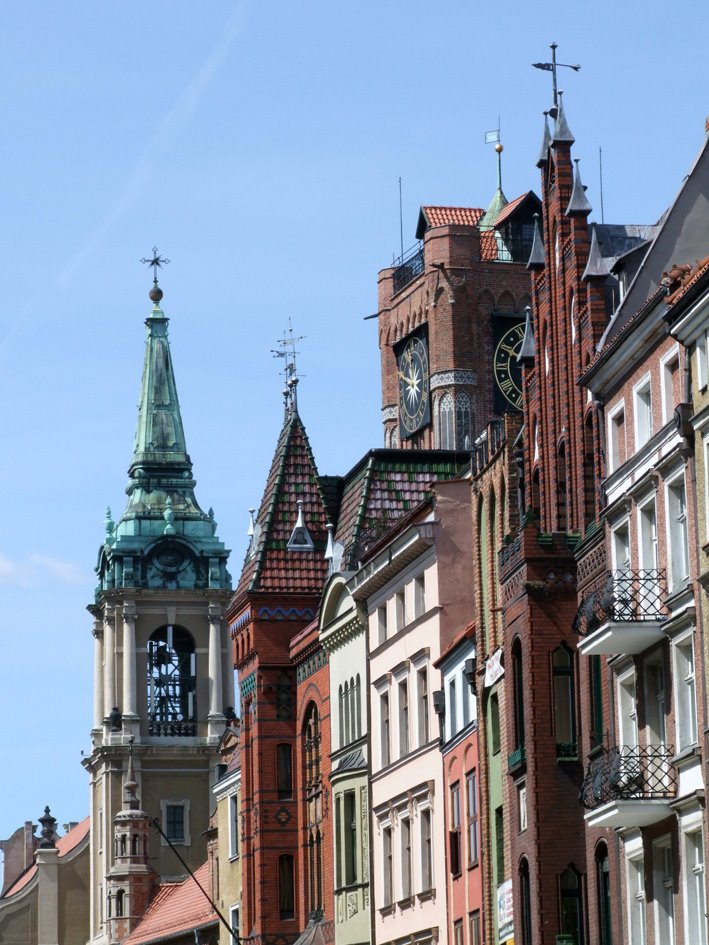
[(455, 876), (474, 864), (405, 903), (387, 910), (426, 894), (685, 757), (234, 857)]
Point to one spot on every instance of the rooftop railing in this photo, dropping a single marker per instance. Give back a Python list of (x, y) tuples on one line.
[(408, 266)]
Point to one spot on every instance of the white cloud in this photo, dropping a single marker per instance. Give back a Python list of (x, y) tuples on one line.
[(37, 567), (12, 572), (66, 571)]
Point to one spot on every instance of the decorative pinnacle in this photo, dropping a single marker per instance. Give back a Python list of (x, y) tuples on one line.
[(157, 262)]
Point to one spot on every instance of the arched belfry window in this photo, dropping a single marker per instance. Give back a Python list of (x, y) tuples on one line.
[(463, 427), (171, 682), (312, 754), (446, 432)]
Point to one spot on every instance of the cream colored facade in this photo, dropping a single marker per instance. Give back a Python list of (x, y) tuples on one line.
[(227, 884)]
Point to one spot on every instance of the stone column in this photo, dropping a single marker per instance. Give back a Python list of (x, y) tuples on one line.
[(109, 661), (130, 704), (215, 669), (98, 674)]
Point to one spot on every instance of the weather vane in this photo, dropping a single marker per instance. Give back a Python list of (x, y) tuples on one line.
[(286, 349), (552, 67), (157, 262)]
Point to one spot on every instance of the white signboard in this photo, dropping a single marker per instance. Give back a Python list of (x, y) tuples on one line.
[(505, 911), (494, 669)]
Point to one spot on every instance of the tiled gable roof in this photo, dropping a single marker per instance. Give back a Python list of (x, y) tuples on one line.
[(488, 246), (176, 908), (65, 845), (509, 210), (293, 478), (383, 487), (444, 216)]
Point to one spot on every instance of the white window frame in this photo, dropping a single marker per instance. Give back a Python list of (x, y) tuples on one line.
[(235, 910), (419, 595), (684, 685), (675, 581), (382, 623), (663, 844), (631, 720), (636, 899), (614, 456), (400, 608), (183, 802), (705, 454), (640, 408), (693, 881), (702, 349), (623, 525), (233, 801), (665, 363)]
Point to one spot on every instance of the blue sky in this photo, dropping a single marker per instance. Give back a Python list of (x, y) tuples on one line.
[(259, 146)]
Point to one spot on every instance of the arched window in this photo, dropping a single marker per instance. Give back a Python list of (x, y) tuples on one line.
[(518, 696), (484, 570), (603, 894), (525, 902), (135, 845), (446, 431), (556, 242), (536, 495), (353, 711), (120, 903), (562, 491), (589, 471), (358, 707), (463, 428), (171, 682), (286, 899), (570, 902), (341, 705), (564, 710), (346, 706), (284, 771), (572, 316), (313, 796)]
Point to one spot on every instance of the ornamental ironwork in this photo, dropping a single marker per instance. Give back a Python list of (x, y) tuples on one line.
[(623, 596), (171, 683), (629, 772)]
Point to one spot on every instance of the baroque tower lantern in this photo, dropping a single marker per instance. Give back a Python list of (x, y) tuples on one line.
[(162, 660)]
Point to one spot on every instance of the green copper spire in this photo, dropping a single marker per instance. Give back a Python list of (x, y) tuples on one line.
[(163, 538), (498, 202)]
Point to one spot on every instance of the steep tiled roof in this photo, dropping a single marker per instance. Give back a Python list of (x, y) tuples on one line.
[(444, 216), (64, 845), (177, 908), (384, 486), (513, 205), (293, 478), (488, 245)]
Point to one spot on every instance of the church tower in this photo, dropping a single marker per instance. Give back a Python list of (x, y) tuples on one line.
[(162, 660)]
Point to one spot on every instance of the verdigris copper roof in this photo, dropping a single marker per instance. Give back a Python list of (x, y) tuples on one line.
[(270, 566), (384, 486)]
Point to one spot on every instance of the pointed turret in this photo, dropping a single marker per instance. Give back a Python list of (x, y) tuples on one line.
[(578, 203), (546, 142), (536, 255), (562, 133), (528, 348), (161, 499), (498, 202), (596, 267)]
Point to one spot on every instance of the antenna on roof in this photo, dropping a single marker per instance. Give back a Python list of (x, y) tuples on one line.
[(401, 221), (286, 349), (600, 175)]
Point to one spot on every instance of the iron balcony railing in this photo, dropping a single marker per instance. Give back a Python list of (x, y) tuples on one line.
[(629, 772), (623, 596), (408, 266)]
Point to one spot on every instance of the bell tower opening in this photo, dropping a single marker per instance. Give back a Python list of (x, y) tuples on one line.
[(171, 682)]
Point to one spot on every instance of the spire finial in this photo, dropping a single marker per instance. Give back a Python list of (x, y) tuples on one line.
[(130, 785), (157, 262), (552, 67), (287, 350)]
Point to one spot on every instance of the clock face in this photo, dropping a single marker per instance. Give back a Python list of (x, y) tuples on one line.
[(508, 372), (412, 367)]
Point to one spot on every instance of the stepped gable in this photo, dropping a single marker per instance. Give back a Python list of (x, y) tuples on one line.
[(383, 487), (269, 565), (176, 908)]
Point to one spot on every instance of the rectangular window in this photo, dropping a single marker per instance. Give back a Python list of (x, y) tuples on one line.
[(454, 832), (685, 694), (522, 807), (422, 683), (384, 718), (382, 622), (426, 852), (233, 826), (465, 693), (643, 414), (474, 923), (405, 858), (458, 932), (388, 867), (499, 847), (286, 901), (678, 533), (702, 373), (616, 436), (419, 596), (403, 718), (471, 792), (595, 666), (350, 828), (452, 709), (339, 841), (234, 924), (670, 387), (621, 547), (695, 910), (284, 771), (175, 822), (400, 609), (663, 891), (636, 901)]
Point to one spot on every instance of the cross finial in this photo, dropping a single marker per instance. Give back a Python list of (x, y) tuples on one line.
[(552, 67), (157, 262), (287, 350)]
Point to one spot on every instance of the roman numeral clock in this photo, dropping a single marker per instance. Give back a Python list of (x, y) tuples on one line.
[(414, 383), (508, 337)]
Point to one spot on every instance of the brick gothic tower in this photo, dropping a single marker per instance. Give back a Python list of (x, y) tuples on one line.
[(547, 857), (162, 670), (284, 751), (444, 310)]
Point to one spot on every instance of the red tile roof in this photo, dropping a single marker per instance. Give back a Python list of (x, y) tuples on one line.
[(511, 207), (176, 908), (695, 274), (65, 845), (488, 245), (444, 216), (293, 478)]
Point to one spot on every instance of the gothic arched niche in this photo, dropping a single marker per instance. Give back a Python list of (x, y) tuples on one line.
[(171, 672)]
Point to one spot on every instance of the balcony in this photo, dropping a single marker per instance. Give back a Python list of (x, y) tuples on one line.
[(516, 758), (624, 614), (407, 267), (629, 786)]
